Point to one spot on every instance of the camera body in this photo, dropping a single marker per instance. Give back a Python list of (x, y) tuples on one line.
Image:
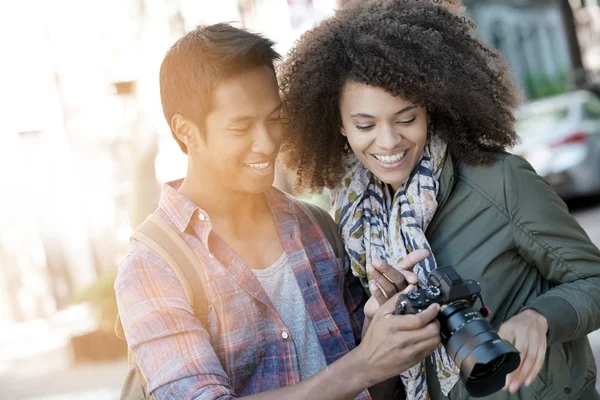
[(445, 287), (484, 359)]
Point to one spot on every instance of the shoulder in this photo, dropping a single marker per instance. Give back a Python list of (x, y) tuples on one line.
[(142, 263), (503, 162), (324, 221), (316, 211), (304, 207), (507, 175)]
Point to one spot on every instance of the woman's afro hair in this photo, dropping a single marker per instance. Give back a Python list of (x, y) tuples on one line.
[(417, 49)]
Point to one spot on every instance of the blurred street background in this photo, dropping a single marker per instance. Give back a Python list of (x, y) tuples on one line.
[(84, 150)]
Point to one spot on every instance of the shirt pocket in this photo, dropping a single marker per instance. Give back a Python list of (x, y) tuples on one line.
[(331, 267), (330, 279)]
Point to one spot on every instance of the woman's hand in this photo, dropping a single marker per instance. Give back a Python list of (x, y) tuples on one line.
[(389, 281), (527, 332)]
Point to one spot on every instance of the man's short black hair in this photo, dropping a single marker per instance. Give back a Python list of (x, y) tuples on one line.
[(200, 61)]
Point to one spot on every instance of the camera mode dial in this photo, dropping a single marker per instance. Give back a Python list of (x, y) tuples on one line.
[(433, 292), (414, 295)]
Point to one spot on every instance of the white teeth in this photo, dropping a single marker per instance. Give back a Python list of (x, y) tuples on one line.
[(390, 159), (260, 166)]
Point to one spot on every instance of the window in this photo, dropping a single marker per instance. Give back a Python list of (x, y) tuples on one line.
[(591, 109)]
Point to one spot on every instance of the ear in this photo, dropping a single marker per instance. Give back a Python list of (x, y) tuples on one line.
[(185, 130), (343, 131)]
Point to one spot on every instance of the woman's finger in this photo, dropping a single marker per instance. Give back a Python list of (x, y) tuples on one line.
[(514, 378), (388, 288), (377, 293), (413, 259), (394, 276), (539, 361), (409, 288), (410, 277), (523, 371), (532, 354)]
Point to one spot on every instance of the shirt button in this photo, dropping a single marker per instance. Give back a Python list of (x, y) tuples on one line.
[(202, 217), (285, 335)]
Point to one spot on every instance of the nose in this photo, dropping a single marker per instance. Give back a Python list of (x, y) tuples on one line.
[(387, 139), (266, 139)]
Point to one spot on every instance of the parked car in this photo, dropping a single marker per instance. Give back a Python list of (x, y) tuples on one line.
[(560, 137)]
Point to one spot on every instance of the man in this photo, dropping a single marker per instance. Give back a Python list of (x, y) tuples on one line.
[(285, 315)]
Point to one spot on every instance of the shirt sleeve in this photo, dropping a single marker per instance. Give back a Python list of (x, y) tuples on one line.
[(170, 344)]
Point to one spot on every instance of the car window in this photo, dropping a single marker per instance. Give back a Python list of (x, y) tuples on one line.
[(591, 108), (541, 120)]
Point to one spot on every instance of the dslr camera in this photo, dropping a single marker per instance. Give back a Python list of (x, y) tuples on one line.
[(484, 359)]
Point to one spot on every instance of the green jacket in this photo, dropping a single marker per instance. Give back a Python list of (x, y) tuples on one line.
[(505, 227)]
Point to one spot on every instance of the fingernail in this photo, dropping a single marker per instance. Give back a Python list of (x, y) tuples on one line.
[(369, 268), (376, 262), (373, 288)]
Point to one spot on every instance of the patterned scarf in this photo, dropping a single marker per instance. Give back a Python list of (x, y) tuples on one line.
[(376, 223)]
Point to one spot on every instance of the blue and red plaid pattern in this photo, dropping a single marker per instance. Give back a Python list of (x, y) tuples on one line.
[(242, 351)]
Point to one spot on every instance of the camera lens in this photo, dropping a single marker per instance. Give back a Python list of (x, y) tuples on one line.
[(484, 359)]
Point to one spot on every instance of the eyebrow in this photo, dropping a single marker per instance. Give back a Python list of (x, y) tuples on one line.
[(363, 115), (244, 118)]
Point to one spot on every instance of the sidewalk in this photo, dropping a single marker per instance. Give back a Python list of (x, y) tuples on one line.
[(36, 361), (84, 382)]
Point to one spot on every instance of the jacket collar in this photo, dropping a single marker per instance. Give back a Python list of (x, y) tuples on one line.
[(447, 179)]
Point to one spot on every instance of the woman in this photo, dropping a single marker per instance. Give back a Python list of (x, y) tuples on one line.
[(406, 116)]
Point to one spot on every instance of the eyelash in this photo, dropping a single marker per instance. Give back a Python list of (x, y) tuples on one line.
[(366, 128), (244, 130), (239, 132)]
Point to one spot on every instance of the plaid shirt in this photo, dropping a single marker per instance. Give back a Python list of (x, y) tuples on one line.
[(244, 349)]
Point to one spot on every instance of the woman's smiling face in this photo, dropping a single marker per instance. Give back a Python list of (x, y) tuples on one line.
[(387, 133)]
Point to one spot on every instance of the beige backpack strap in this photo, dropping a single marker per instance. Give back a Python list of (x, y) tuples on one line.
[(157, 234)]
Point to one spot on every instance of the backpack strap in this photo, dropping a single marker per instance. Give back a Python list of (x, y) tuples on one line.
[(327, 225), (158, 235)]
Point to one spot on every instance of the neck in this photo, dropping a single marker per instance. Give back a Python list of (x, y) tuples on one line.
[(220, 202)]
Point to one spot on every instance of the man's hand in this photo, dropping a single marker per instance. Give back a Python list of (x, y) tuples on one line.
[(394, 343), (390, 281), (527, 332)]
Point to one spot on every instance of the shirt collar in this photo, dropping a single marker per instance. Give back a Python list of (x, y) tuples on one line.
[(279, 202), (179, 208), (182, 210)]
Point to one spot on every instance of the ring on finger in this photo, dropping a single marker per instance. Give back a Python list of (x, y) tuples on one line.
[(391, 281), (383, 292)]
